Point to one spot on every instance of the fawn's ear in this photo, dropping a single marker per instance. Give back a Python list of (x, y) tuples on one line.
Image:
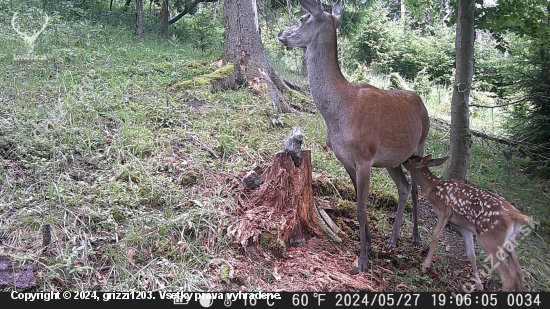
[(414, 161), (437, 162), (424, 162)]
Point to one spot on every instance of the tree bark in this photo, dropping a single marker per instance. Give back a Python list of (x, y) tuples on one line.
[(244, 48), (139, 18), (164, 17), (460, 135), (304, 64)]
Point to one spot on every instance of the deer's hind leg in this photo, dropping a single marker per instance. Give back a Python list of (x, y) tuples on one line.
[(403, 188)]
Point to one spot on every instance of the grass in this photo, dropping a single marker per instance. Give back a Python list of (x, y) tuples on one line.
[(97, 143)]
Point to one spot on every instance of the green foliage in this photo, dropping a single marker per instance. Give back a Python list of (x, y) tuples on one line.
[(371, 33), (202, 31), (391, 46), (205, 80), (522, 28)]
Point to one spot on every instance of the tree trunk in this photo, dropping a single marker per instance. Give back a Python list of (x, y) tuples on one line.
[(304, 64), (402, 14), (244, 48), (459, 150), (139, 18), (164, 17)]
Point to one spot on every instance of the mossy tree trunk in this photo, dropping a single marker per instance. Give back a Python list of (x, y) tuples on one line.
[(244, 48)]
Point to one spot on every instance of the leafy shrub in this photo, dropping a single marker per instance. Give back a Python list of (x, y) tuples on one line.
[(389, 46), (202, 31)]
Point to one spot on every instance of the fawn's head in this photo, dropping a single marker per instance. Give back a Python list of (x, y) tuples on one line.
[(416, 162), (312, 24)]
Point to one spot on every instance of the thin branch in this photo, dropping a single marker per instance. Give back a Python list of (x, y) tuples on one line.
[(497, 139), (187, 9), (500, 105)]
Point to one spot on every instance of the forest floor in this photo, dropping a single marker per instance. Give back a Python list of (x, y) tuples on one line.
[(321, 264)]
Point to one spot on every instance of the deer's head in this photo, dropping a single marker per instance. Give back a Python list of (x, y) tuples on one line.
[(312, 24)]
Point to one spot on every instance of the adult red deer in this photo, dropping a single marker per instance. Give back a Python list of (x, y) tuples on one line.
[(473, 211), (366, 126)]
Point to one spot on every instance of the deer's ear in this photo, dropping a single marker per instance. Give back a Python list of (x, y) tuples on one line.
[(337, 14), (426, 160), (312, 7), (437, 162)]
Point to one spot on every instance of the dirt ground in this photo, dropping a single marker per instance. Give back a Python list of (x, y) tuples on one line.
[(320, 264)]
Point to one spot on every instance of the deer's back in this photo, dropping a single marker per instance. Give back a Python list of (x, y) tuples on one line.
[(394, 124)]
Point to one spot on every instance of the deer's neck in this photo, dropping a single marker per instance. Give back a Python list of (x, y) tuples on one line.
[(326, 81), (425, 179)]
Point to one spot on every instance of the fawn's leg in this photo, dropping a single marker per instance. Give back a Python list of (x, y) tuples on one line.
[(493, 249), (442, 218), (471, 254)]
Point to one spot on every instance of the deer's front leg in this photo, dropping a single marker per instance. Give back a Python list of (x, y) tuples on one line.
[(363, 183), (353, 176), (442, 219)]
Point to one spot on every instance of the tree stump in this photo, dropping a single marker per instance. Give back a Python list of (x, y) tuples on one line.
[(280, 213)]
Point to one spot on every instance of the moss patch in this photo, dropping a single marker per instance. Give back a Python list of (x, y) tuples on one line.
[(206, 79), (273, 245), (190, 177), (323, 186), (383, 199), (345, 208)]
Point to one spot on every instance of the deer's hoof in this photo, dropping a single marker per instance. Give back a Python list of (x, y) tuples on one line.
[(392, 243), (479, 287), (415, 239), (425, 268), (363, 266)]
